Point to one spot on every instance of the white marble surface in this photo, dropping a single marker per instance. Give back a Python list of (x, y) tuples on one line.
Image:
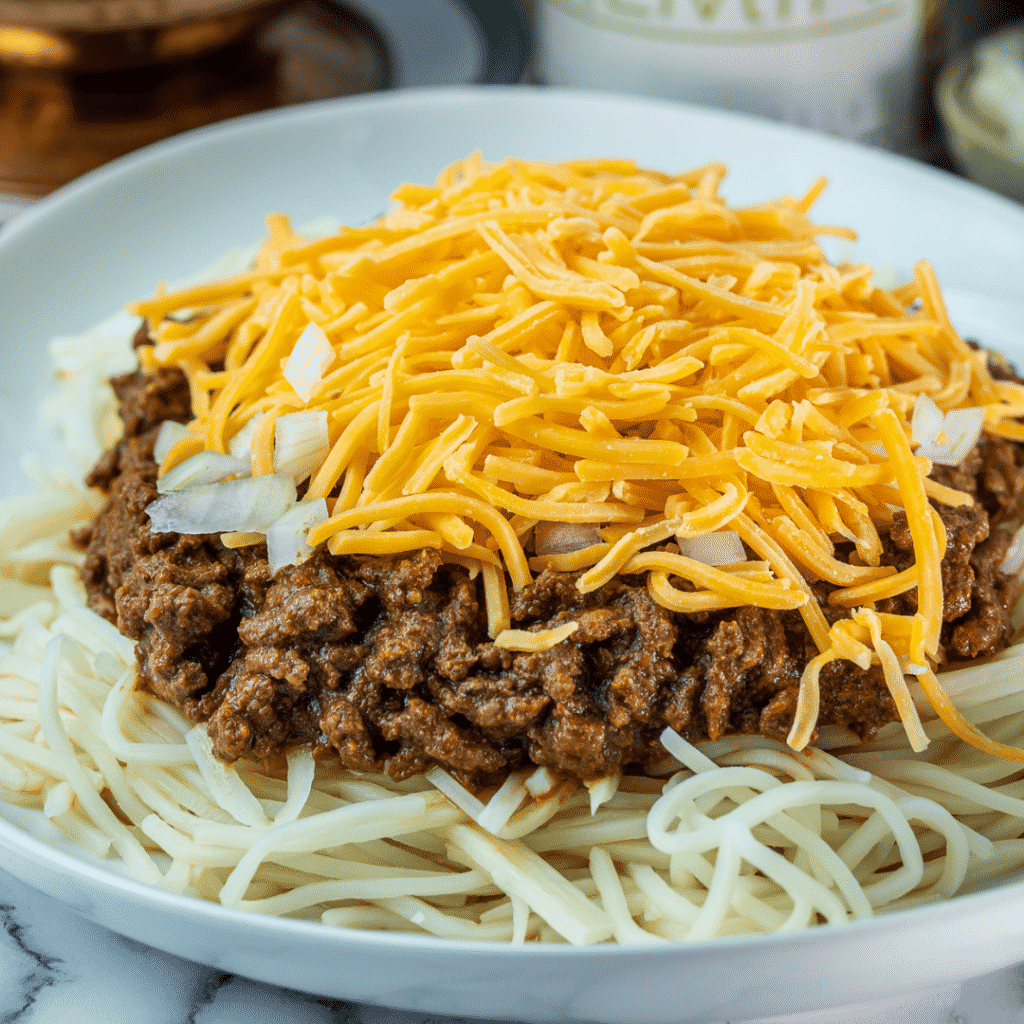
[(56, 968)]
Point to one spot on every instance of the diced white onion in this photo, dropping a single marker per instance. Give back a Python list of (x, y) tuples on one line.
[(722, 548), (926, 422), (963, 428), (241, 444), (286, 537), (204, 468), (310, 357), (602, 790), (1013, 560), (301, 443), (540, 782), (251, 504), (168, 436), (563, 538), (886, 276)]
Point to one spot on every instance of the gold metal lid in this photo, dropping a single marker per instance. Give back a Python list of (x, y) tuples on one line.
[(110, 15), (109, 47)]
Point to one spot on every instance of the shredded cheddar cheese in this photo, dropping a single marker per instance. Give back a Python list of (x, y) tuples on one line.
[(595, 343)]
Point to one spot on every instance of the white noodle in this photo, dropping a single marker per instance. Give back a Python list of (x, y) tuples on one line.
[(301, 772), (153, 753), (57, 740), (614, 900), (522, 873), (505, 802), (223, 782)]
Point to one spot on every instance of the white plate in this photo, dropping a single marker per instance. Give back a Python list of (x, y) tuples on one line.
[(166, 211)]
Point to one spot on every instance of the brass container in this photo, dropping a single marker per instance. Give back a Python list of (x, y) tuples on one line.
[(109, 34), (84, 81)]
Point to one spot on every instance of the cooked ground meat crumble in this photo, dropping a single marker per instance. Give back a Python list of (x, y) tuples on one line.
[(385, 662)]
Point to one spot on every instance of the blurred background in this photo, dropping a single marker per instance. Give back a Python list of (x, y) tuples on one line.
[(84, 81)]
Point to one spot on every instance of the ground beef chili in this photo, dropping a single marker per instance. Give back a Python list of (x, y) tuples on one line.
[(386, 663)]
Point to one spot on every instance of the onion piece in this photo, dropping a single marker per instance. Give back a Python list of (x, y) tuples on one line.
[(926, 421), (963, 428), (253, 503), (602, 790), (1013, 560), (241, 444), (540, 783), (301, 443), (310, 357), (169, 435), (286, 537), (721, 548), (563, 538), (204, 468)]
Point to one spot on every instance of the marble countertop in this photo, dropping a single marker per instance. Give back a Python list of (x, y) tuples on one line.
[(57, 968)]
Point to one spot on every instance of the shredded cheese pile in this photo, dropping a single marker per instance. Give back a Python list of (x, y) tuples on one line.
[(594, 343)]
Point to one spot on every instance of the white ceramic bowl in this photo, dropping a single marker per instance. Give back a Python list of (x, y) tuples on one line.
[(166, 211), (980, 146)]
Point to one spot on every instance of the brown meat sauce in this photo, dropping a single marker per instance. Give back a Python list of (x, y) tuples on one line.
[(386, 663)]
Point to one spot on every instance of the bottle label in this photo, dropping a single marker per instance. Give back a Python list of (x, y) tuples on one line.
[(724, 22), (843, 66)]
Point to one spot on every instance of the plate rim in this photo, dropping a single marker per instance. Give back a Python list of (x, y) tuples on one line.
[(434, 96), (51, 207)]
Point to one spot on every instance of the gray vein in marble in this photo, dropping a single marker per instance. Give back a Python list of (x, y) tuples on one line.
[(41, 971), (207, 995), (240, 1001)]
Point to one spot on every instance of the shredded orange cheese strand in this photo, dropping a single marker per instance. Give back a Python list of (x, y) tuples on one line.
[(808, 699), (960, 726), (592, 342)]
